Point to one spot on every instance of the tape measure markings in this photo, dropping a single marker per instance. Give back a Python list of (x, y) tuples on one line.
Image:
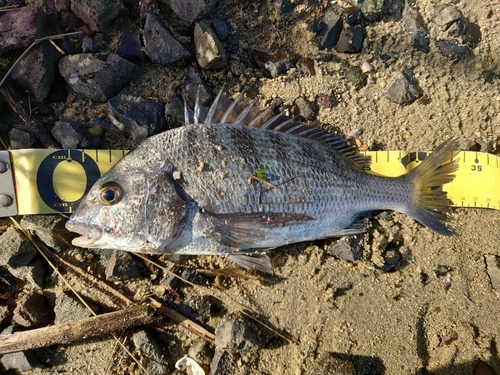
[(42, 181)]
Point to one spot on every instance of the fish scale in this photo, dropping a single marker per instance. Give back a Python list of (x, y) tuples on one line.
[(192, 190)]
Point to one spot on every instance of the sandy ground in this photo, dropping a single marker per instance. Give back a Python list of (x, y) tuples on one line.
[(385, 323)]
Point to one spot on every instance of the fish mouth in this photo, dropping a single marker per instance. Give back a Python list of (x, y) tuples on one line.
[(89, 234)]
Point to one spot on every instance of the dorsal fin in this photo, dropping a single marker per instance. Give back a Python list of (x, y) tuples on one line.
[(228, 111)]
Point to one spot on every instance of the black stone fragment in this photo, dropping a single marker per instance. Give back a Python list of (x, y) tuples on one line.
[(20, 27), (355, 17), (33, 310), (236, 335), (329, 28), (222, 364), (88, 45), (150, 347), (98, 14), (306, 66), (174, 112), (162, 46), (97, 76), (19, 361), (404, 88), (121, 266), (287, 7), (273, 61), (135, 116), (19, 139), (195, 86), (191, 10), (331, 363), (130, 47), (210, 52), (222, 28), (71, 134), (415, 26), (351, 39), (35, 72), (305, 109), (453, 49)]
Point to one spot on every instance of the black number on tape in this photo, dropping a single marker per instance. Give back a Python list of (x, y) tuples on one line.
[(45, 176)]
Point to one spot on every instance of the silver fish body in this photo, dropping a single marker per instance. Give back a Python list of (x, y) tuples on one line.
[(235, 187)]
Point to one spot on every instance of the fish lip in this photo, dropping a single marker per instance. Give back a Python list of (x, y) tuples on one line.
[(89, 233)]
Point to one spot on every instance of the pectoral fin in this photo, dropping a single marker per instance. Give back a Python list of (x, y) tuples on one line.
[(248, 231)]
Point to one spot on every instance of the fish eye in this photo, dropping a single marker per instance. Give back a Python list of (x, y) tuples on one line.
[(110, 193)]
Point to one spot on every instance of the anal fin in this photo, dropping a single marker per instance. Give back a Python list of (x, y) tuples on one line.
[(255, 262), (357, 227)]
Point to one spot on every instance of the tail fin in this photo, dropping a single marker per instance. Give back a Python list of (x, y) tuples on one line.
[(430, 202)]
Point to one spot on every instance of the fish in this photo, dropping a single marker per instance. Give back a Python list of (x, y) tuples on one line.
[(239, 181)]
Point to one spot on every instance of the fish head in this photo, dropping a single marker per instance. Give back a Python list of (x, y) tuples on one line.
[(132, 208)]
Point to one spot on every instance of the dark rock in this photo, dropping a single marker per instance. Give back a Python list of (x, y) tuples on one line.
[(136, 117), (19, 139), (171, 281), (20, 27), (493, 269), (324, 57), (191, 10), (88, 45), (306, 66), (98, 14), (355, 17), (148, 345), (20, 257), (222, 364), (442, 271), (484, 145), (415, 26), (345, 249), (201, 352), (355, 76), (210, 52), (234, 334), (351, 39), (273, 61), (304, 108), (375, 10), (404, 88), (33, 310), (62, 5), (196, 307), (391, 259), (121, 266), (191, 275), (222, 28), (47, 228), (195, 85), (71, 134), (162, 46), (287, 7), (20, 361), (97, 76), (473, 36), (130, 47), (68, 47), (174, 112), (35, 72), (68, 308), (331, 364), (447, 15), (453, 49), (70, 20), (17, 250), (482, 368), (328, 30)]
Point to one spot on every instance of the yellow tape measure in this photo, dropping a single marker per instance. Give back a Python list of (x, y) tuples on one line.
[(39, 181)]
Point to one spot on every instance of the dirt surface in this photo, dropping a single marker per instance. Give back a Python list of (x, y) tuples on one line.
[(384, 322)]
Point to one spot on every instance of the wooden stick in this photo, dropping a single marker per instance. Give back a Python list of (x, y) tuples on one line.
[(69, 332)]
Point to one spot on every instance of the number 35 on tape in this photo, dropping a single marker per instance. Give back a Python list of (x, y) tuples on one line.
[(36, 181)]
